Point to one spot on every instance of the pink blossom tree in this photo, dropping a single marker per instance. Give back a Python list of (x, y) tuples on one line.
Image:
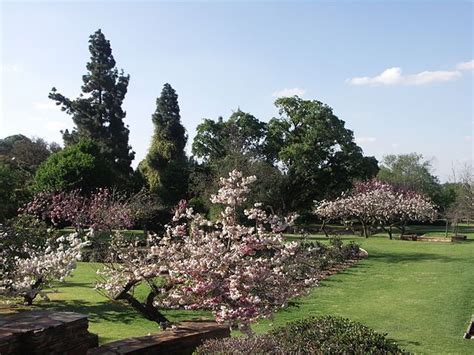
[(375, 204), (240, 272), (103, 210)]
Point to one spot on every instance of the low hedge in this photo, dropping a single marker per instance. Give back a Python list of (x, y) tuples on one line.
[(315, 335)]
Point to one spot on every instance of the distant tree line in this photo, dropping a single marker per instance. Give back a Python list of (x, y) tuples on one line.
[(305, 154)]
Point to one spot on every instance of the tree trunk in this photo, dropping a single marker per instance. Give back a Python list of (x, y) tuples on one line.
[(364, 230), (323, 228), (402, 230), (388, 231), (28, 298), (148, 310)]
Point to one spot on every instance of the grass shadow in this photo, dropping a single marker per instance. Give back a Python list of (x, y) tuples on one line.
[(408, 257), (404, 343), (114, 311), (98, 311)]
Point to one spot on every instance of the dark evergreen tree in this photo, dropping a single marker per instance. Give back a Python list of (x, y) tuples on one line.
[(97, 112), (166, 166)]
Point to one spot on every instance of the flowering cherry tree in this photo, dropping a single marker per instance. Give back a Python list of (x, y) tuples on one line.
[(376, 204), (28, 269), (240, 272), (101, 210)]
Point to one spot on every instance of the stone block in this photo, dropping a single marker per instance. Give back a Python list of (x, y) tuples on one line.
[(184, 340)]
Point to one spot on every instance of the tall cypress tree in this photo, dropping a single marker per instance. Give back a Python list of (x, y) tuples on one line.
[(165, 166), (97, 112)]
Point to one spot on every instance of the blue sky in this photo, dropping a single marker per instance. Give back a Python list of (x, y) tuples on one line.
[(399, 74)]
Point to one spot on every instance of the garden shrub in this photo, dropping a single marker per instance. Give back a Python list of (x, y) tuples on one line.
[(262, 344), (341, 252), (314, 335), (79, 166), (332, 335)]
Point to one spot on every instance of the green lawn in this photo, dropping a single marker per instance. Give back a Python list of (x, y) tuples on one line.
[(110, 320), (420, 293)]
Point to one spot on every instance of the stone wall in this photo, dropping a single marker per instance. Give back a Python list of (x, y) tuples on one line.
[(65, 333), (183, 340), (45, 332)]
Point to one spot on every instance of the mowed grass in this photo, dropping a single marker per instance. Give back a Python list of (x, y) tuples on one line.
[(110, 320), (420, 293)]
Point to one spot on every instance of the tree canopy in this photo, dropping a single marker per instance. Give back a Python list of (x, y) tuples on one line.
[(79, 166), (165, 166), (412, 171), (241, 134), (20, 157), (306, 153), (97, 113), (25, 153), (235, 143), (316, 151)]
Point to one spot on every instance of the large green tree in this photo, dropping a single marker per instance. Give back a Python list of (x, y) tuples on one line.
[(20, 157), (25, 153), (241, 134), (166, 166), (412, 171), (306, 154), (236, 143), (462, 208), (13, 190), (79, 166), (97, 112), (315, 150)]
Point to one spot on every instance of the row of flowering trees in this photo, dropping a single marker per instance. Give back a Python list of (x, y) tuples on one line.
[(374, 204), (239, 266)]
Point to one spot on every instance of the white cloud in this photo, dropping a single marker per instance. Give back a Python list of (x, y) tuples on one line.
[(289, 92), (365, 139), (394, 76), (466, 65), (468, 138), (49, 105)]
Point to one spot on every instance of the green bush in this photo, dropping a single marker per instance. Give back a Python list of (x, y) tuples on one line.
[(79, 166), (263, 344), (341, 252), (333, 335), (315, 335)]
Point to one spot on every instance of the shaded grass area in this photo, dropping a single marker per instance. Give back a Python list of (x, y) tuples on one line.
[(420, 293), (110, 320)]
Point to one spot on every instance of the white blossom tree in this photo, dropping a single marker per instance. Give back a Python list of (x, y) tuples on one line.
[(29, 269), (240, 272), (375, 204)]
